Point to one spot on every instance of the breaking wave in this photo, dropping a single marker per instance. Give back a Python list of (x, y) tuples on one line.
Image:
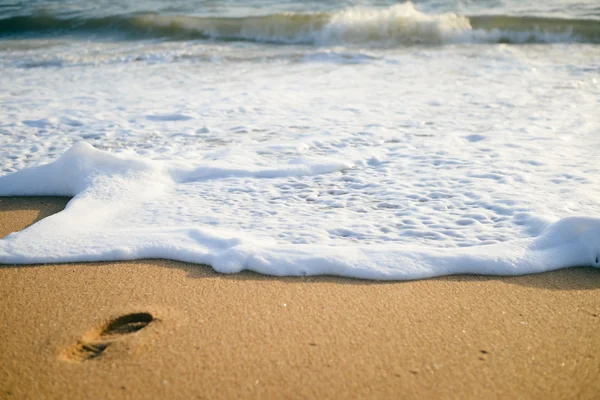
[(397, 25)]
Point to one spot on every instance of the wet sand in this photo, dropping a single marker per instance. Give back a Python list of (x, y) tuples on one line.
[(163, 329)]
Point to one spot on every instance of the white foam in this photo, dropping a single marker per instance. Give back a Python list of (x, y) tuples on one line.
[(410, 163), (102, 223), (400, 23)]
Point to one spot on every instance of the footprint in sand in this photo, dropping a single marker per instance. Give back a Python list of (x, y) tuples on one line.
[(93, 344)]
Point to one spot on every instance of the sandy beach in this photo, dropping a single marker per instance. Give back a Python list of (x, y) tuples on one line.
[(163, 329)]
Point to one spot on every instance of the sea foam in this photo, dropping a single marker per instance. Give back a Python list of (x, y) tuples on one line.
[(115, 215)]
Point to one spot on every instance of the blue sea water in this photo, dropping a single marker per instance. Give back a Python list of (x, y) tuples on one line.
[(240, 8)]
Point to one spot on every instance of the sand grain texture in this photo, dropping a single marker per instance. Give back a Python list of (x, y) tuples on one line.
[(251, 336)]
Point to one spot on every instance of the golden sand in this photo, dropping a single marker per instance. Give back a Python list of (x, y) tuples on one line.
[(164, 329)]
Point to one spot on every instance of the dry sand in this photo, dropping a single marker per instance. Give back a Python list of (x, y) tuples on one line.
[(252, 336)]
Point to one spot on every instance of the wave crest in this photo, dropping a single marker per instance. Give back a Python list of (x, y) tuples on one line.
[(398, 25)]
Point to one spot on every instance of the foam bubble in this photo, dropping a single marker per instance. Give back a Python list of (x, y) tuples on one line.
[(103, 222)]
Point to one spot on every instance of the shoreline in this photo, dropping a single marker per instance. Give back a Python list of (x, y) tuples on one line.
[(254, 336)]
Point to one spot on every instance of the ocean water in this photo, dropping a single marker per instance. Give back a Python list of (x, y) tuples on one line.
[(371, 139)]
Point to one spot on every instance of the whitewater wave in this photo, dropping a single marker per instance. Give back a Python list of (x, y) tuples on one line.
[(398, 25)]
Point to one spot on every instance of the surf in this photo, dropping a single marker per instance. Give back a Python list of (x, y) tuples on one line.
[(107, 188), (394, 26)]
